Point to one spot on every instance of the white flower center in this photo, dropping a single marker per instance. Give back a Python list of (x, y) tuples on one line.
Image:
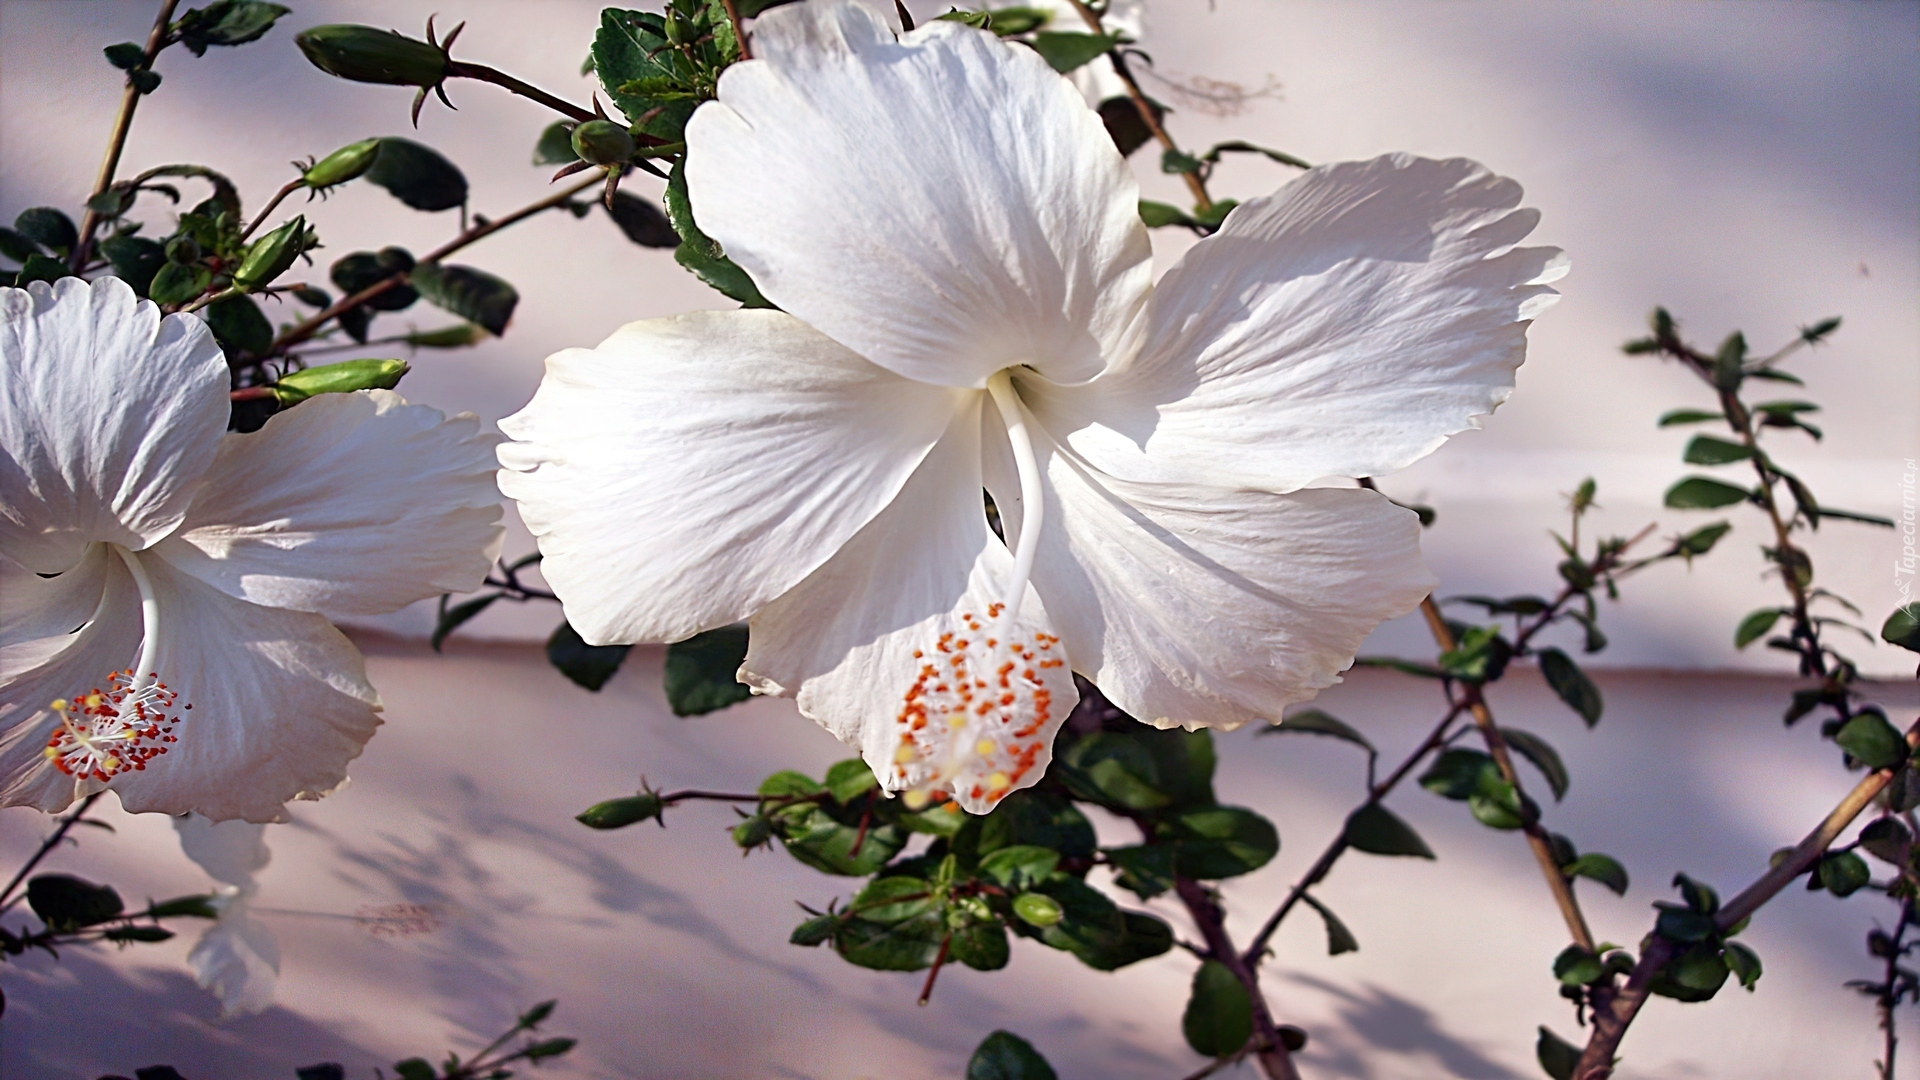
[(106, 732)]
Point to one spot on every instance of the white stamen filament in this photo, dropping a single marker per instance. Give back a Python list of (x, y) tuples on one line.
[(1032, 501), (144, 670)]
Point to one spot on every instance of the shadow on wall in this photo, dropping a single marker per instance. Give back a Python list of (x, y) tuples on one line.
[(1374, 1020)]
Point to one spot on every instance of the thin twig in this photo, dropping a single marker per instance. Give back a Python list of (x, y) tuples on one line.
[(739, 32), (117, 141), (460, 70), (1271, 1053), (290, 187), (7, 899), (1201, 200)]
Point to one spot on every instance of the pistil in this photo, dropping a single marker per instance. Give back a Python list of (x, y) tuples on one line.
[(1032, 499)]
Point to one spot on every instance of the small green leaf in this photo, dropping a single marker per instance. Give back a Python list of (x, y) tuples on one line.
[(239, 326), (413, 1069), (1704, 493), (848, 780), (1339, 938), (1676, 923), (1571, 684), (908, 945), (1174, 163), (1378, 831), (1744, 962), (981, 946), (1813, 334), (176, 283), (362, 269), (587, 665), (1019, 866), (1064, 51), (418, 175), (1604, 869), (1219, 1017), (1871, 741), (1241, 146), (47, 227), (1576, 966), (1699, 896), (226, 22), (548, 1048), (1158, 214), (135, 260), (1544, 757), (641, 221), (1480, 656), (125, 56), (699, 675), (1888, 840), (1458, 774), (1557, 1056), (452, 617), (1707, 450), (1144, 869), (1688, 416), (555, 146), (1316, 722), (1843, 873), (1215, 842), (474, 295), (67, 903), (17, 247), (1902, 628), (1006, 1056), (1124, 125), (1700, 541), (1756, 625), (895, 899)]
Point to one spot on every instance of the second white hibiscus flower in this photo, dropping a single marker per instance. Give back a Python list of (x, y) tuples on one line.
[(967, 302)]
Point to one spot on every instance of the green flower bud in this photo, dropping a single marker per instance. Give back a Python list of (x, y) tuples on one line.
[(619, 813), (603, 142), (364, 54), (199, 907), (341, 378), (342, 165), (1037, 909), (752, 832), (268, 257), (183, 249), (458, 336)]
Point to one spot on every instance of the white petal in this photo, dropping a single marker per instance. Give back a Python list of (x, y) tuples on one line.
[(231, 852), (349, 504), (280, 705), (1199, 606), (109, 415), (897, 645), (1343, 326), (237, 958), (945, 205), (691, 469), (47, 656)]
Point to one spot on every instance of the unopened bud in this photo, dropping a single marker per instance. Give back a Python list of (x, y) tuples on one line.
[(458, 336), (342, 378), (1037, 909), (364, 54), (183, 249), (199, 907), (603, 142), (270, 256), (619, 813), (342, 165), (752, 832)]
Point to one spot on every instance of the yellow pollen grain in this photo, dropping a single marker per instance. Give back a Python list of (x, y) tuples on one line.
[(58, 704), (903, 755), (983, 747), (958, 719), (916, 799), (998, 781)]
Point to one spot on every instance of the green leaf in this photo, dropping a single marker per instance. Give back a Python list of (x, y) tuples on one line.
[(555, 146), (1174, 163), (458, 336), (1158, 214), (1146, 870), (451, 618), (830, 838), (176, 283), (1480, 656), (1011, 21), (1576, 966), (1019, 866), (895, 899), (1006, 1056), (1813, 334), (17, 247), (644, 76), (1500, 807), (1744, 962), (1756, 625), (1700, 541), (1144, 769), (848, 780), (1241, 146), (144, 80), (418, 175), (66, 903), (1557, 1056), (548, 1048), (1688, 416), (1571, 684), (1378, 831), (1849, 515), (1699, 896), (135, 260), (908, 945), (199, 906), (474, 295), (752, 832), (700, 672), (1902, 628), (981, 946), (1842, 873), (1216, 842), (1219, 1017), (1604, 869), (1033, 817), (1677, 923), (1888, 840), (47, 227), (587, 665), (1126, 128), (239, 326), (1064, 51), (125, 56), (1544, 757), (226, 22), (1707, 450), (1339, 938), (1704, 493), (700, 253), (976, 19), (1316, 722), (641, 221), (1094, 930), (414, 1069), (1871, 741), (362, 269), (1458, 774)]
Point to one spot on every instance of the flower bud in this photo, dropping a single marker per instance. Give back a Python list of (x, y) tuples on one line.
[(1037, 909), (268, 257), (342, 165), (364, 54), (183, 249), (752, 832), (603, 142), (619, 813), (199, 907), (458, 336), (341, 378)]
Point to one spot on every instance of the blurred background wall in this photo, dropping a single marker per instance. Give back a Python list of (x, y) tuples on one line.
[(1748, 165)]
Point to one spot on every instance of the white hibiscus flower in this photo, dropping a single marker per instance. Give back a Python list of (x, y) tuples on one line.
[(968, 301), (165, 584)]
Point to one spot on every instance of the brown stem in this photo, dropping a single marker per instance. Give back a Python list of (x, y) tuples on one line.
[(1201, 200), (117, 142), (306, 328), (1611, 1019), (59, 834), (1321, 866), (459, 70), (289, 188), (739, 32), (1272, 1054), (939, 961)]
